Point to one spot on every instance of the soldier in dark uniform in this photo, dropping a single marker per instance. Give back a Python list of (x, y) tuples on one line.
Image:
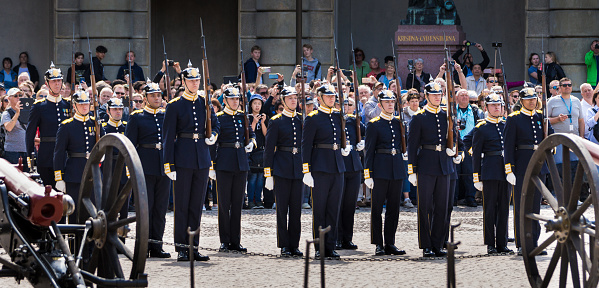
[(187, 159), (523, 134), (283, 167), (384, 173), (47, 114), (145, 132), (75, 139), (322, 154), (488, 173), (231, 165), (351, 180), (429, 169)]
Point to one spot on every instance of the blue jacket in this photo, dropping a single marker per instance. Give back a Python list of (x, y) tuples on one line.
[(322, 126), (9, 83), (138, 73), (423, 132), (114, 127), (488, 137), (187, 114), (47, 116), (232, 131), (251, 70), (384, 134), (146, 127), (352, 161), (283, 131)]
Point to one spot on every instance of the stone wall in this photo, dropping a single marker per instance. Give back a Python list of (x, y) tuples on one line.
[(112, 23), (270, 24), (568, 28)]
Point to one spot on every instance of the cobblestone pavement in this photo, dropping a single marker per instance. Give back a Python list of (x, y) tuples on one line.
[(259, 235)]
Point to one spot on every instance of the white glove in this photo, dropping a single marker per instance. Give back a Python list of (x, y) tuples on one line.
[(405, 156), (413, 179), (360, 145), (212, 174), (478, 186), (211, 140), (270, 183), (249, 148), (450, 152), (457, 159), (510, 177), (346, 151), (369, 183), (308, 180), (172, 175), (61, 186)]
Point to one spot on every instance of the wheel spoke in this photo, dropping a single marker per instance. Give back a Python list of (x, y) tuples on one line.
[(553, 172), (542, 247), (545, 192), (94, 259), (552, 265), (573, 264), (90, 207), (120, 246), (579, 248), (117, 172), (97, 184), (576, 187), (114, 261), (107, 173), (585, 205), (539, 217), (563, 274), (566, 178), (583, 230), (120, 223), (120, 201)]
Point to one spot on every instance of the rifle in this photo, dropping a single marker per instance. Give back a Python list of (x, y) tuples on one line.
[(450, 98), (167, 80), (206, 83), (399, 104), (341, 98), (505, 94), (544, 96), (246, 130), (303, 95), (130, 81), (92, 78), (356, 96), (73, 63)]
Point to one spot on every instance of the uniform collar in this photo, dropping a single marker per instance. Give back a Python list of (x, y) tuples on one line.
[(150, 110), (289, 114), (80, 117), (431, 109), (386, 116), (492, 120), (325, 110), (229, 111), (114, 124), (527, 112), (190, 97), (53, 99)]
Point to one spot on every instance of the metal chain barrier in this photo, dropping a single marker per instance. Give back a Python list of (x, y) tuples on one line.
[(345, 259)]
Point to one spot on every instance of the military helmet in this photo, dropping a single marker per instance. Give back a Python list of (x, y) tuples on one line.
[(115, 103), (528, 93), (433, 88), (288, 91), (497, 90), (386, 95), (80, 97), (152, 87), (327, 89), (231, 93), (53, 73), (190, 73), (494, 98)]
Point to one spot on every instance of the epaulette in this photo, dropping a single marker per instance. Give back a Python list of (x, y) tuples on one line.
[(444, 108), (174, 100), (377, 118), (104, 124), (420, 111), (137, 112), (336, 110), (514, 113), (67, 121), (39, 101), (276, 117), (220, 113), (313, 113), (481, 123), (124, 122), (351, 115), (162, 110), (540, 112), (298, 113), (92, 118)]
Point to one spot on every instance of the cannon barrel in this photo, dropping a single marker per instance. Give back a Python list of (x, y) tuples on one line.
[(38, 204)]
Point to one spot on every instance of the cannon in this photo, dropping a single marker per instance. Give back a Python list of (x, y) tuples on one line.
[(572, 231), (35, 244)]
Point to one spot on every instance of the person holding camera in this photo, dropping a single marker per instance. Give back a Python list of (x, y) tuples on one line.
[(138, 73), (467, 61), (255, 181), (14, 141), (553, 71), (591, 59), (417, 77), (467, 116)]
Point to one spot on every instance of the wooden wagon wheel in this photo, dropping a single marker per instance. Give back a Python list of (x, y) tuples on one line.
[(576, 247), (101, 200)]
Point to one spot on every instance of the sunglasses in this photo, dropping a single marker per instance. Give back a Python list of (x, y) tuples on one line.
[(567, 85), (5, 100), (263, 93), (119, 93), (138, 101), (515, 96), (492, 81), (554, 87), (280, 109)]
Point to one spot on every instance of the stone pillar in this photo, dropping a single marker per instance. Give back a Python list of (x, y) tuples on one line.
[(271, 25), (568, 27), (111, 23)]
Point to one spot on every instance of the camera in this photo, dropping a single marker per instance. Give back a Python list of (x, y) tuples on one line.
[(596, 45), (171, 63), (461, 124), (468, 43), (299, 75), (410, 64), (496, 44)]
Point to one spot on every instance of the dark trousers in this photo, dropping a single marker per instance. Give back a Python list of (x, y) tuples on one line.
[(288, 196), (465, 183), (351, 187), (389, 190), (496, 207), (189, 193), (450, 197), (158, 193), (13, 158), (326, 202), (230, 191), (536, 207), (433, 194), (47, 175), (73, 191)]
